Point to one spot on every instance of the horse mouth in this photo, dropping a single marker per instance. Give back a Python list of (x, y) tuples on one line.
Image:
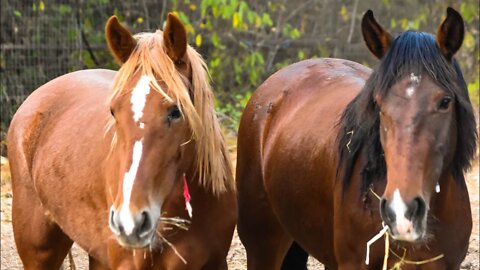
[(135, 241), (407, 232), (410, 237)]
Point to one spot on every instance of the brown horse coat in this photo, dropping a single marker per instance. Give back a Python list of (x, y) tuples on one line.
[(286, 171), (66, 176), (293, 185)]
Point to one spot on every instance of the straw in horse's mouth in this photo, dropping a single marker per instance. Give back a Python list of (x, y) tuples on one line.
[(176, 222)]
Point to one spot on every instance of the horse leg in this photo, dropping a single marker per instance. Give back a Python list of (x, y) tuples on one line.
[(264, 239), (40, 242), (296, 258), (220, 264), (95, 265)]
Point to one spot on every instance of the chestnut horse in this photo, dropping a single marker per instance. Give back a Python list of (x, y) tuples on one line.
[(109, 160), (320, 138)]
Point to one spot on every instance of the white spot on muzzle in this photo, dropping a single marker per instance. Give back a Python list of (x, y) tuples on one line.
[(126, 217), (139, 98), (403, 225)]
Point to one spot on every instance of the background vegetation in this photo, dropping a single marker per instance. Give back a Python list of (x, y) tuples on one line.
[(243, 42)]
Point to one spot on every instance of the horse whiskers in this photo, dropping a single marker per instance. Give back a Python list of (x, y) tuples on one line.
[(151, 255), (172, 247)]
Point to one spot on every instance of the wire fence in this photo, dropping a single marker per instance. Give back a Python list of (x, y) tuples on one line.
[(41, 40), (32, 52)]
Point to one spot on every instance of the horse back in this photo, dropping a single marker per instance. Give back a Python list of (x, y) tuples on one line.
[(287, 135), (303, 101)]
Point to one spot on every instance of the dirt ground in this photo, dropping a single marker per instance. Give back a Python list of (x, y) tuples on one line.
[(236, 257)]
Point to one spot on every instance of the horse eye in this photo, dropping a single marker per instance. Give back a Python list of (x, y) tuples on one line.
[(444, 103), (174, 114)]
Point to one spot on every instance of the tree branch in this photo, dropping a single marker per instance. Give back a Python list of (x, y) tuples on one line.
[(352, 22)]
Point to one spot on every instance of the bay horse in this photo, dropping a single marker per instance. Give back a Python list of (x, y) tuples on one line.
[(110, 160), (320, 138)]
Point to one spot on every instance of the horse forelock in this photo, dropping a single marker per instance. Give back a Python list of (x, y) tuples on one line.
[(411, 52), (150, 59)]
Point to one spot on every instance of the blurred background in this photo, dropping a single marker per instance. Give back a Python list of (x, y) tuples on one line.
[(243, 42)]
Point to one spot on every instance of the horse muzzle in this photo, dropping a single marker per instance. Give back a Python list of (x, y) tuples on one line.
[(406, 221), (132, 230)]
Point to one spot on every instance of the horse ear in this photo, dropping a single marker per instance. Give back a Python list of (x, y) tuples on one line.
[(377, 39), (450, 33), (119, 40), (175, 38)]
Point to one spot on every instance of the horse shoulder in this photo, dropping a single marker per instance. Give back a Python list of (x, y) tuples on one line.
[(39, 109)]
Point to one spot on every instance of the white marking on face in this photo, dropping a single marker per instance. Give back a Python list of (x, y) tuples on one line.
[(403, 225), (437, 188), (415, 79), (126, 217), (410, 91), (398, 205), (139, 97)]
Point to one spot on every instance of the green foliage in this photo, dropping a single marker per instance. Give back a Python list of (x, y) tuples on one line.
[(230, 112), (237, 35), (243, 41), (474, 91)]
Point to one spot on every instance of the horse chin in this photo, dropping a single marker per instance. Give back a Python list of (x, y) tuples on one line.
[(409, 237), (136, 243), (414, 236)]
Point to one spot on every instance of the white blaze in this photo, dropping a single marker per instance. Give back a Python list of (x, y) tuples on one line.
[(138, 100), (398, 206), (125, 215), (139, 97), (404, 226)]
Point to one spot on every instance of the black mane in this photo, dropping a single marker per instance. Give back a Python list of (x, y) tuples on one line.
[(411, 52)]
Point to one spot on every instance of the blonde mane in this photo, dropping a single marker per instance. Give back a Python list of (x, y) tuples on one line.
[(150, 59)]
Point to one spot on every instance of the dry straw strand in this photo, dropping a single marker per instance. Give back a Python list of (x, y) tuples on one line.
[(397, 265)]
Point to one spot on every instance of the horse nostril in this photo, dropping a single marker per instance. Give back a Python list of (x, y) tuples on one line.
[(385, 212), (112, 222), (116, 229), (416, 209), (145, 224)]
